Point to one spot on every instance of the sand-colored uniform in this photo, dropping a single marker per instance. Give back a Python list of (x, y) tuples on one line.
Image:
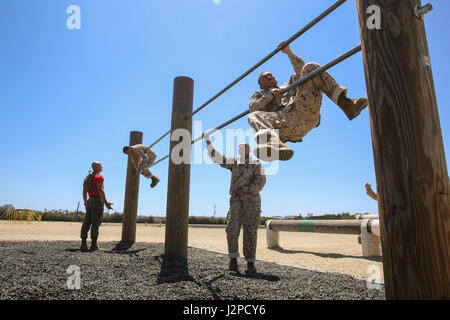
[(142, 158), (244, 210), (372, 194), (297, 111)]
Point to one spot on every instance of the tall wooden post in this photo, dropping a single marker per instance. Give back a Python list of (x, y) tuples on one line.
[(130, 207), (411, 170), (177, 212)]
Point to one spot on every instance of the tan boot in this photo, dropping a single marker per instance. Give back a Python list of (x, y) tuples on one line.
[(270, 147), (155, 181), (94, 246), (84, 247), (352, 107)]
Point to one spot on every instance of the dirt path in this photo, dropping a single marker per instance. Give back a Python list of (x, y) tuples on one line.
[(327, 252)]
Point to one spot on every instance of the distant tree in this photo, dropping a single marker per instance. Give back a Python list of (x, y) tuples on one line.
[(6, 207)]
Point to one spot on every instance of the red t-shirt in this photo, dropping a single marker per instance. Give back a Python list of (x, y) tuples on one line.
[(98, 179)]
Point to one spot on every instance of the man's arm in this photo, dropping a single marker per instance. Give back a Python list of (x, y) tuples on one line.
[(370, 192), (217, 157), (297, 62), (258, 183), (260, 100), (85, 193), (101, 191)]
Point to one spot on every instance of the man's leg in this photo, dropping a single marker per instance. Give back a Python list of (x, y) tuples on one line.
[(232, 230), (85, 227), (97, 215), (325, 83), (252, 214), (146, 173), (269, 146)]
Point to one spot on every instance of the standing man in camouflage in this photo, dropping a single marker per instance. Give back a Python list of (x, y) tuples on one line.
[(142, 158), (247, 180), (277, 118), (93, 186)]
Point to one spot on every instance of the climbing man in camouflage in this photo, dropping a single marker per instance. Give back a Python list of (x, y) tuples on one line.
[(247, 180), (93, 186), (142, 158), (277, 118)]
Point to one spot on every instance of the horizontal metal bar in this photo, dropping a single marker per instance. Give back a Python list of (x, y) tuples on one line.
[(270, 55), (294, 84), (323, 68)]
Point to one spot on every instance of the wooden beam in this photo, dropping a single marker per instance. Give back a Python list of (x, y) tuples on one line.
[(177, 211), (130, 206), (411, 170)]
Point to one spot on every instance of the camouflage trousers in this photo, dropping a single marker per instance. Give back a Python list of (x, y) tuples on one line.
[(144, 168), (302, 114), (246, 211), (93, 218)]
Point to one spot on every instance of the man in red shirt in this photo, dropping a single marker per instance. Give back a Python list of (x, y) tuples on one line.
[(93, 186)]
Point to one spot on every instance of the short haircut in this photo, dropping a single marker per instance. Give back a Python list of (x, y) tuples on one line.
[(95, 164), (261, 75), (125, 149)]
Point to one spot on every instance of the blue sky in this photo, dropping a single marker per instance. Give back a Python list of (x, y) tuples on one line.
[(69, 97)]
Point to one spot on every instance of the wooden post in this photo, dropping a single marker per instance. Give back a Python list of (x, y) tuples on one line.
[(177, 211), (130, 207), (411, 170)]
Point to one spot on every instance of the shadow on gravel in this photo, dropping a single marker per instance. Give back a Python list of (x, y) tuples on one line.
[(259, 276), (173, 269), (325, 255), (123, 247)]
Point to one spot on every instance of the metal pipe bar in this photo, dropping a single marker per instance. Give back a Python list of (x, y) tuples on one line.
[(320, 17), (270, 55), (294, 84), (341, 58)]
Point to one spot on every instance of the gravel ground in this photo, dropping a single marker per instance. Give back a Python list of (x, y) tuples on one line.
[(38, 270)]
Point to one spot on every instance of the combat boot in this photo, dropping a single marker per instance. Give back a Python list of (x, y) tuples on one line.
[(250, 268), (270, 147), (94, 246), (233, 265), (352, 107), (155, 181), (84, 247)]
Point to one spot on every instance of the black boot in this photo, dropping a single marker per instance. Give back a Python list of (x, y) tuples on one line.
[(233, 265), (250, 268), (352, 107), (155, 181), (84, 247)]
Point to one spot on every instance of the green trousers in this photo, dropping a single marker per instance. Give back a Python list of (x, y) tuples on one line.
[(93, 218)]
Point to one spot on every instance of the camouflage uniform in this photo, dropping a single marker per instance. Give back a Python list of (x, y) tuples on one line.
[(142, 158), (93, 218), (372, 194), (297, 112), (244, 210)]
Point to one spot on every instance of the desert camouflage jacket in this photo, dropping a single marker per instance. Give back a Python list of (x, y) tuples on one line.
[(142, 156), (264, 100), (248, 176)]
